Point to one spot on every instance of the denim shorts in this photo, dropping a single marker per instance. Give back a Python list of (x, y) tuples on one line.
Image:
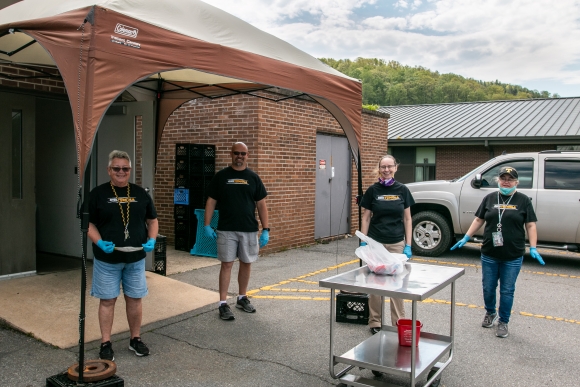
[(107, 278), (237, 244)]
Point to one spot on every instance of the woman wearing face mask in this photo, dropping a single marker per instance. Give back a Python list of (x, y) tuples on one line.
[(505, 213), (387, 219)]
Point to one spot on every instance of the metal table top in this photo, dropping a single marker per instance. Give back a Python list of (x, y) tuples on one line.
[(420, 281)]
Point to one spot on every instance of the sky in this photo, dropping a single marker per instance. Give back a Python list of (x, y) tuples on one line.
[(531, 43)]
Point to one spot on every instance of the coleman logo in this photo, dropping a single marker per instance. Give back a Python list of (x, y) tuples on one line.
[(126, 30)]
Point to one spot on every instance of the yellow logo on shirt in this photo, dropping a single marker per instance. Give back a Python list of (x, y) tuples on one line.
[(388, 197), (237, 181), (506, 206)]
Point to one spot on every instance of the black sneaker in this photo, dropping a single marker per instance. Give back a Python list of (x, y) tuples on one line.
[(226, 312), (244, 304), (139, 347), (106, 352)]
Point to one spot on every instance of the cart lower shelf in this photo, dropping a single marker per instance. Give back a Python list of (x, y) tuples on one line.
[(382, 352)]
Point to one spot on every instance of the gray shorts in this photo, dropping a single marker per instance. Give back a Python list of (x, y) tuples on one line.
[(237, 244)]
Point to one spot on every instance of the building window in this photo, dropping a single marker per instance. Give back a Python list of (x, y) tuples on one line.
[(415, 163), (16, 154)]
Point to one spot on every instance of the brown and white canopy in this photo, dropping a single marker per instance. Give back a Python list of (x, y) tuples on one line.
[(181, 49)]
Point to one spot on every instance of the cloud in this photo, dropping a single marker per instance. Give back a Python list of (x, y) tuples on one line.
[(515, 41)]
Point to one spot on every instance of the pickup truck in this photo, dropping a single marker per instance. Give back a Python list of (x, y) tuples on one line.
[(444, 209)]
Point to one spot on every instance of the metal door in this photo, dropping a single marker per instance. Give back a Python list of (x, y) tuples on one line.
[(333, 191), (117, 131), (17, 196)]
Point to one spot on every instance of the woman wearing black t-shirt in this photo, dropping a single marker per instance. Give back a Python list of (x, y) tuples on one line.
[(387, 219), (505, 213)]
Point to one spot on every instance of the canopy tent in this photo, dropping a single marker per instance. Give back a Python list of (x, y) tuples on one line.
[(178, 49)]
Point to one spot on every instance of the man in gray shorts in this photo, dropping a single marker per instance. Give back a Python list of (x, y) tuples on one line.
[(238, 191)]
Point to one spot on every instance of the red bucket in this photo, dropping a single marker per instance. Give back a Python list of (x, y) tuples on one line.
[(405, 332)]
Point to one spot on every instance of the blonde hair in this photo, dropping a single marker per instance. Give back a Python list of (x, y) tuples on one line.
[(378, 170), (117, 154)]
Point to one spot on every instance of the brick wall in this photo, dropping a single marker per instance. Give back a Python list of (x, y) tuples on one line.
[(40, 84), (455, 161), (281, 138)]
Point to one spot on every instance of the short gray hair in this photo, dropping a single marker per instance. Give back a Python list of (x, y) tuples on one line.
[(117, 154)]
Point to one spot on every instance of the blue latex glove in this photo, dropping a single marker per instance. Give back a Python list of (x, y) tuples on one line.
[(534, 253), (209, 232), (149, 245), (264, 238), (363, 244), (407, 251), (107, 247), (462, 242)]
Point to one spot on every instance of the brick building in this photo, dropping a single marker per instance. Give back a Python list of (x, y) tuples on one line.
[(281, 138), (445, 141)]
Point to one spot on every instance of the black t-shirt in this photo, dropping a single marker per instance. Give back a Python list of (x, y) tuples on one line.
[(105, 214), (387, 205), (517, 213), (237, 193)]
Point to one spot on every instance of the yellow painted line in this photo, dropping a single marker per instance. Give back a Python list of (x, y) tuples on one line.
[(479, 267), (427, 301)]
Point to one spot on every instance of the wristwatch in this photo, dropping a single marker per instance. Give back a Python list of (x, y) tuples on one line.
[(266, 229)]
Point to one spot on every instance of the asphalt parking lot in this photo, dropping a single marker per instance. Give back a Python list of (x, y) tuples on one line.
[(286, 343)]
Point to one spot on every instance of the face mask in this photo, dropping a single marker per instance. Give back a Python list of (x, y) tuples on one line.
[(506, 191)]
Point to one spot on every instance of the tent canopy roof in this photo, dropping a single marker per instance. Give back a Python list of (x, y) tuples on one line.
[(191, 18), (101, 48)]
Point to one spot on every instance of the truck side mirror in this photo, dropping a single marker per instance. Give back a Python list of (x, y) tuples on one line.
[(476, 182)]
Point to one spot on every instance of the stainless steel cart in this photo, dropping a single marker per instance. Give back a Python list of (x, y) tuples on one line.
[(382, 353)]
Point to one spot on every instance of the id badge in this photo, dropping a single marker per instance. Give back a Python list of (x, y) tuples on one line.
[(497, 238)]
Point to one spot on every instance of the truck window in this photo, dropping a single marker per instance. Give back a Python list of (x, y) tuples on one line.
[(525, 170), (562, 174)]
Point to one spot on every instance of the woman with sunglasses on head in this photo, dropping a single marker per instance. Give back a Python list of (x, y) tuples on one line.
[(504, 213), (387, 219)]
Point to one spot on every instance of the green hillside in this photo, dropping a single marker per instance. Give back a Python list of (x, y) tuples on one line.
[(391, 83)]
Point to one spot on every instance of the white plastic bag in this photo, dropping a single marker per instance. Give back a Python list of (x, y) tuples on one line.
[(378, 258)]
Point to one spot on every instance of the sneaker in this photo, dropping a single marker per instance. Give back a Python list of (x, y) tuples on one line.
[(226, 312), (244, 304), (502, 329), (488, 320), (139, 347), (106, 352)]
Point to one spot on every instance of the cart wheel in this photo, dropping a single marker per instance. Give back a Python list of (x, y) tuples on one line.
[(377, 373), (436, 381)]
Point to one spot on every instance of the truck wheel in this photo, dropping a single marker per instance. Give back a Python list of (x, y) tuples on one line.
[(431, 234)]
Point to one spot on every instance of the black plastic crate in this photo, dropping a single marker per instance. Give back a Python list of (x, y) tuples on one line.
[(184, 242), (160, 255), (182, 164), (202, 151), (195, 182), (352, 308), (183, 212), (202, 167), (185, 227)]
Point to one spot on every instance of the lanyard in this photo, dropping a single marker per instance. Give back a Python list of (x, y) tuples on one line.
[(499, 210)]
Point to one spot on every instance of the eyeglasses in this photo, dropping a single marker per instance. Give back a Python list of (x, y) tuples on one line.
[(507, 179), (240, 153), (387, 167), (118, 169)]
